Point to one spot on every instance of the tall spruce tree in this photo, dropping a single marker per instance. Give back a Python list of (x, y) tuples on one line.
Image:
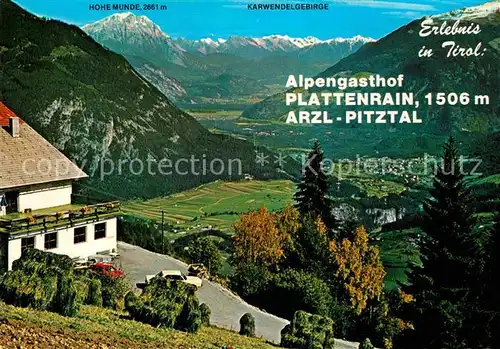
[(491, 288), (312, 191), (442, 285)]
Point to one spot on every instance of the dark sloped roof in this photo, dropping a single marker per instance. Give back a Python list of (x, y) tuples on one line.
[(30, 159)]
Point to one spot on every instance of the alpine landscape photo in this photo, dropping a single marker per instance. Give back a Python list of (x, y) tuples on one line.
[(159, 190)]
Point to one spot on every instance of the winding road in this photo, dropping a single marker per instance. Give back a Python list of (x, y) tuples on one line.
[(226, 308)]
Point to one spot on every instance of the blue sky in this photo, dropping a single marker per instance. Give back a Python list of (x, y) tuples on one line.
[(222, 18)]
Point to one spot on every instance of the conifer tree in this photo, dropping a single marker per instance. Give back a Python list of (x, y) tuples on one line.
[(449, 253), (491, 287), (312, 191)]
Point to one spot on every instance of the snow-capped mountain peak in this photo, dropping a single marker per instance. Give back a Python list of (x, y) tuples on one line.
[(126, 21), (354, 39), (468, 13), (130, 30), (212, 42)]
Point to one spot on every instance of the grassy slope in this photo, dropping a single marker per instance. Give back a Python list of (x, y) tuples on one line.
[(97, 327), (221, 201)]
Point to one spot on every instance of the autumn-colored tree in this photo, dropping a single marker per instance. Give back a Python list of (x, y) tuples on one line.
[(257, 239), (359, 267), (288, 220)]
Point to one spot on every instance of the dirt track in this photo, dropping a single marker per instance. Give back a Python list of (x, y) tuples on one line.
[(226, 307)]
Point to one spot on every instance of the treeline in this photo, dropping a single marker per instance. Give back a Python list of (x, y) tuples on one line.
[(303, 259), (200, 247)]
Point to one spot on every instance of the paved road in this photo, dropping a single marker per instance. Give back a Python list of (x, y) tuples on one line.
[(226, 307)]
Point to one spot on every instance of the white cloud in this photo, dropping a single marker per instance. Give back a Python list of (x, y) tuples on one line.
[(405, 14)]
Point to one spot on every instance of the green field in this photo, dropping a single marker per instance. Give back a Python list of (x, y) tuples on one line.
[(217, 204), (397, 253)]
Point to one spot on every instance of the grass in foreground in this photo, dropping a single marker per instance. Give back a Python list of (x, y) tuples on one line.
[(102, 328)]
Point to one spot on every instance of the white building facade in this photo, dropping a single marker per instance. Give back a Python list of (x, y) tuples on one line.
[(36, 210)]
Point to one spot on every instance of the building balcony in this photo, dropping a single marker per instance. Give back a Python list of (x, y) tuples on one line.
[(55, 217)]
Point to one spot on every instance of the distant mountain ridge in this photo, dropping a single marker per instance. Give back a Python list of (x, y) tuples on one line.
[(283, 45), (194, 66), (397, 53), (129, 27)]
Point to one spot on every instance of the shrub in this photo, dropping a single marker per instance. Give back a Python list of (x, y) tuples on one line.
[(204, 250), (295, 290), (88, 289), (41, 280), (366, 344), (82, 289), (94, 294), (205, 314), (249, 280), (166, 304), (308, 331), (247, 325), (189, 319), (32, 259), (113, 290), (131, 300), (64, 301)]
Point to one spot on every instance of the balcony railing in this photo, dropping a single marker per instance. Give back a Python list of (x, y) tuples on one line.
[(42, 221)]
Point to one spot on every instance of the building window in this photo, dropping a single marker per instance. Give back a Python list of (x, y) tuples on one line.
[(27, 243), (80, 235), (50, 241), (100, 231)]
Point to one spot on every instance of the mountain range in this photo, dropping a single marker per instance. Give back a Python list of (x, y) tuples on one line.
[(197, 65), (127, 28), (94, 106), (397, 53)]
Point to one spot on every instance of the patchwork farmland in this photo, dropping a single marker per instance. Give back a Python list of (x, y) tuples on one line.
[(217, 204)]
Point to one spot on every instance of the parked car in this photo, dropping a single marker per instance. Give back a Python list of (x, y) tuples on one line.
[(198, 270), (107, 270), (175, 275)]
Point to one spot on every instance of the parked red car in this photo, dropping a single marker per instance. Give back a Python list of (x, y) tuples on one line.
[(107, 269)]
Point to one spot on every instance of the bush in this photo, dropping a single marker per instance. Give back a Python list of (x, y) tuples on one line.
[(249, 280), (189, 319), (166, 304), (204, 250), (205, 314), (247, 325), (307, 331), (131, 300), (88, 290), (366, 344), (65, 300), (41, 280), (82, 289), (141, 232), (295, 290), (94, 294), (113, 290), (32, 259)]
